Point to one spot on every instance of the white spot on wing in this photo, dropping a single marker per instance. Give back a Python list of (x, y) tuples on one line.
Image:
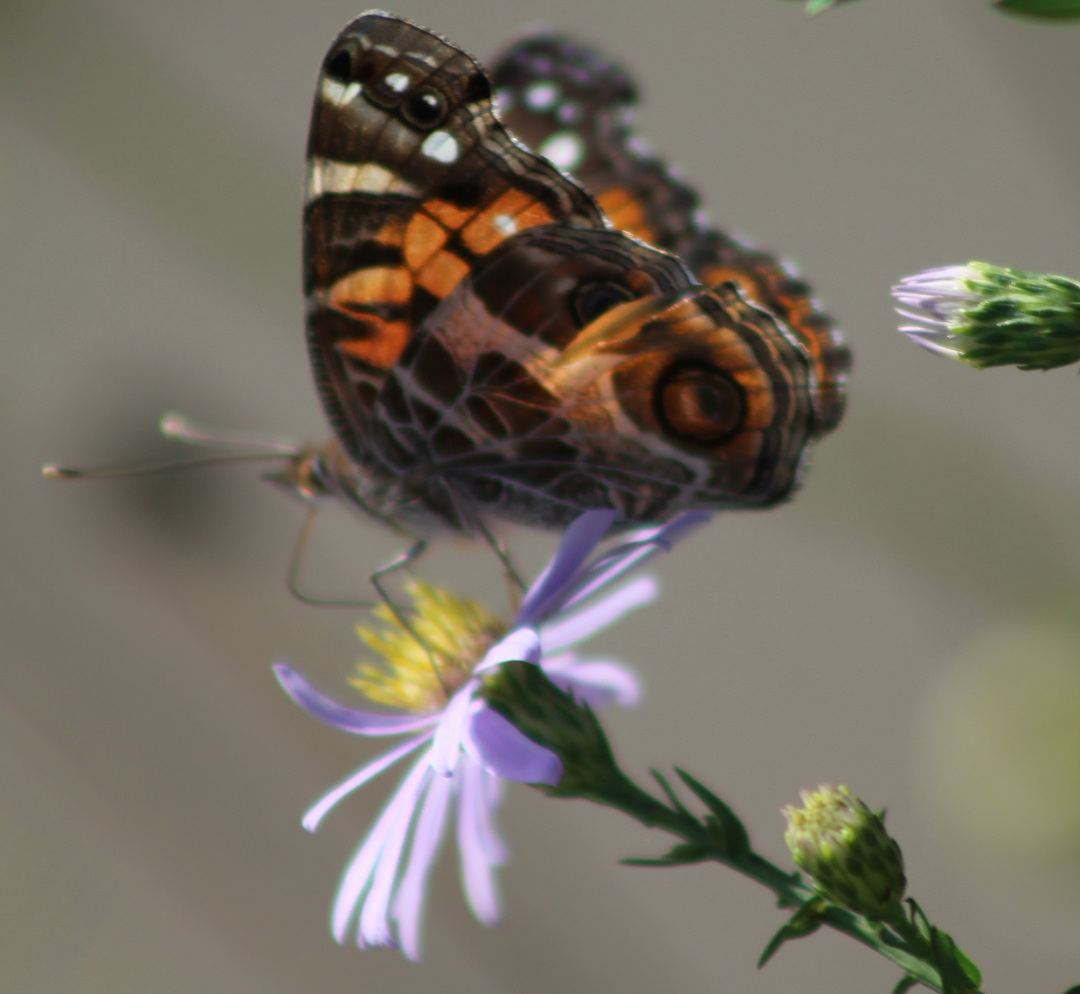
[(441, 146), (541, 96), (565, 149), (505, 223), (398, 82), (339, 94), (332, 176)]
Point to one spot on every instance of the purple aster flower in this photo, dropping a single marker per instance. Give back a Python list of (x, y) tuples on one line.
[(466, 749)]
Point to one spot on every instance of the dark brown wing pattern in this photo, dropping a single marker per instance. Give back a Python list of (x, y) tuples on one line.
[(590, 370), (410, 181), (566, 100), (485, 343)]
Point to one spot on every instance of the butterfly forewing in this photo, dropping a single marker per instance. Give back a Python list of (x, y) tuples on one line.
[(411, 180)]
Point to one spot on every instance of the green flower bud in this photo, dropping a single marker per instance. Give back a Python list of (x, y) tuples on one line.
[(992, 316), (844, 848)]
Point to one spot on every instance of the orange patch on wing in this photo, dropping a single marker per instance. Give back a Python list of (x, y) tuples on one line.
[(441, 273), (447, 214), (748, 284), (760, 401), (483, 232), (423, 239), (626, 213), (376, 285), (392, 233), (382, 347)]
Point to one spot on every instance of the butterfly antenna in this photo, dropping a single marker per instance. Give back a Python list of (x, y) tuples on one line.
[(178, 427), (181, 428), (53, 472)]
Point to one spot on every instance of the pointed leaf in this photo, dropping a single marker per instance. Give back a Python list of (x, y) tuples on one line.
[(782, 936), (919, 919), (671, 795), (958, 974), (732, 833), (804, 922)]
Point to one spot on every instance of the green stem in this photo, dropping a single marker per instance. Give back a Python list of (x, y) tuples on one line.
[(555, 719), (906, 947)]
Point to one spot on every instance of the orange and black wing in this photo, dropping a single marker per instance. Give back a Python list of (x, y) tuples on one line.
[(411, 182), (570, 103), (590, 370)]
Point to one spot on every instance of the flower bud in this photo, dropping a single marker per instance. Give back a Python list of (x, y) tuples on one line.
[(844, 848), (992, 316)]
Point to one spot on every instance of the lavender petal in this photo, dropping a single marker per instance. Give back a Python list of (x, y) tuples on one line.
[(578, 543), (328, 711), (521, 643), (374, 928), (568, 631), (408, 907), (500, 748), (447, 745), (477, 863), (598, 682), (632, 554), (330, 799), (357, 876)]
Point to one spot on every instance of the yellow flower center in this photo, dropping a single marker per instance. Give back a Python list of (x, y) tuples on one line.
[(420, 676)]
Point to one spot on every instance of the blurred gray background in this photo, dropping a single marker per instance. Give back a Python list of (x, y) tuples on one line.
[(905, 626)]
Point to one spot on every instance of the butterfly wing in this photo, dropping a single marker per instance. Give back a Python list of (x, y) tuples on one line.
[(411, 180), (567, 101), (589, 370)]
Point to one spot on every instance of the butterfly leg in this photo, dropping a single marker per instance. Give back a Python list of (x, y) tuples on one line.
[(296, 560), (514, 583), (414, 552)]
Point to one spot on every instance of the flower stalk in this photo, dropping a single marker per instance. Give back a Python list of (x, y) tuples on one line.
[(553, 718)]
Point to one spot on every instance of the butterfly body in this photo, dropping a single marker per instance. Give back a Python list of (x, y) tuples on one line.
[(487, 344)]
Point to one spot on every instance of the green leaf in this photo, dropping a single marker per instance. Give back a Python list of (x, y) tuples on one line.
[(971, 971), (804, 922), (1054, 10), (919, 919), (729, 832), (817, 6), (676, 804), (907, 981), (681, 854), (958, 974)]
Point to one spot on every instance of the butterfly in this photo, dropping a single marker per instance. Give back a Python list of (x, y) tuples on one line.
[(494, 338)]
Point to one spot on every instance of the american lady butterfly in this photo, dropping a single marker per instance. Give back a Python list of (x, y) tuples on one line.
[(491, 337)]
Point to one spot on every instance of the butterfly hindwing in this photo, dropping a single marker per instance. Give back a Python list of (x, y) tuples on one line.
[(591, 370), (561, 96)]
